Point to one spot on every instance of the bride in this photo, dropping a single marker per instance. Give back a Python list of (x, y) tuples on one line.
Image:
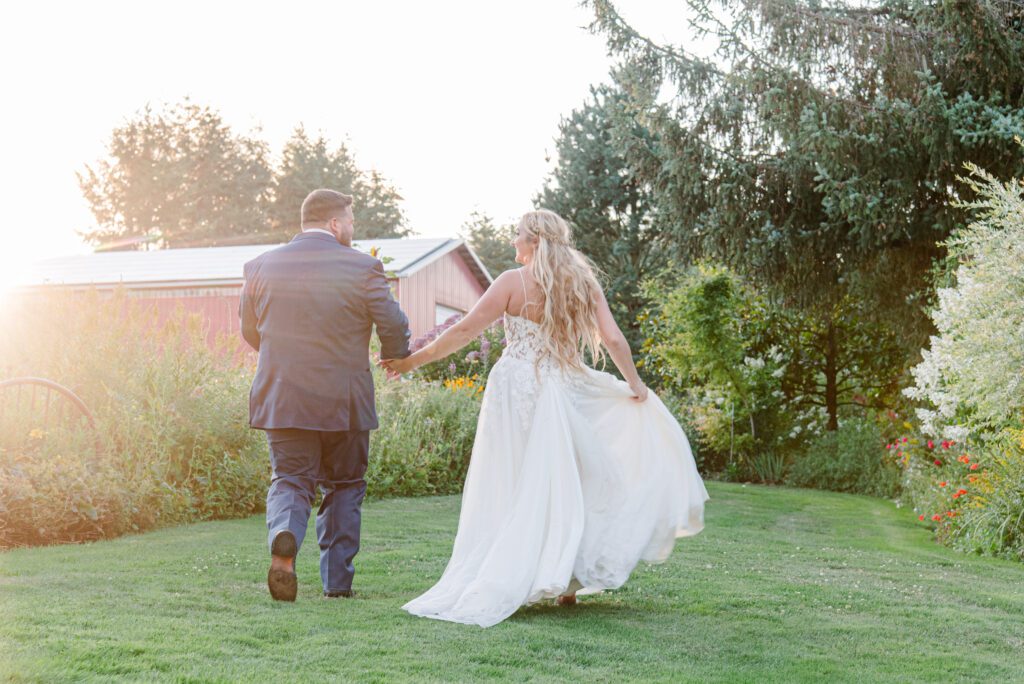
[(575, 476)]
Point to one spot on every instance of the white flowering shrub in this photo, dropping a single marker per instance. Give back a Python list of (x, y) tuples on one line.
[(970, 382), (970, 377)]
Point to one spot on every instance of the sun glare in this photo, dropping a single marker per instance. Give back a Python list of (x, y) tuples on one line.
[(15, 267)]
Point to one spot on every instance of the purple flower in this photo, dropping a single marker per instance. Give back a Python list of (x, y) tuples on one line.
[(485, 346), (473, 356), (451, 367), (504, 341)]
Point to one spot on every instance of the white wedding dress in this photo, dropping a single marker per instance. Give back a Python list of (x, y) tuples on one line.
[(570, 485)]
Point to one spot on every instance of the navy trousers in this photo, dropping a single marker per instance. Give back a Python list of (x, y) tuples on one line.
[(336, 461)]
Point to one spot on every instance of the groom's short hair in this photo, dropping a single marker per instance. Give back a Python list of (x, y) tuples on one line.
[(320, 206)]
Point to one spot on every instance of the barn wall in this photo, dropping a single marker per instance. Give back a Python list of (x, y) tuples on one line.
[(218, 307), (447, 281)]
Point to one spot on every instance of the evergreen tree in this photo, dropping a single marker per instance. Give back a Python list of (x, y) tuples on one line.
[(178, 177), (492, 244), (307, 164), (594, 189), (816, 151)]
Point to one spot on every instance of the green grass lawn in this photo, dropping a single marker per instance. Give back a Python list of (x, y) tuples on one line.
[(783, 585)]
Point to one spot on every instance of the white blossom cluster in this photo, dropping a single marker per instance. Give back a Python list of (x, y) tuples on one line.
[(972, 376)]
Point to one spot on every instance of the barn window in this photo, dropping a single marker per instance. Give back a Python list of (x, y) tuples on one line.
[(442, 313)]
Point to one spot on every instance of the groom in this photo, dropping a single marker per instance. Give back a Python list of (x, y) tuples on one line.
[(308, 308)]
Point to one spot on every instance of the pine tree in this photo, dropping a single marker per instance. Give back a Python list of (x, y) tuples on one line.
[(816, 151)]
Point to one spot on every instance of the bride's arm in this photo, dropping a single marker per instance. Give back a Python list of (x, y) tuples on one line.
[(487, 309), (618, 348)]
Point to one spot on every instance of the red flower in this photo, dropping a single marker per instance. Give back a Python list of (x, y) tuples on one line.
[(961, 491), (974, 466), (945, 444), (936, 517), (931, 444), (942, 484), (921, 517), (938, 462)]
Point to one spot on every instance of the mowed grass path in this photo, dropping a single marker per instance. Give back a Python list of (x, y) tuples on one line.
[(783, 585)]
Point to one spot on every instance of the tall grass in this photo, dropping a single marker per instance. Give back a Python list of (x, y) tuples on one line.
[(171, 422), (172, 425)]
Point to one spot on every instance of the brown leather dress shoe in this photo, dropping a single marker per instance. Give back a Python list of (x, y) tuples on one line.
[(283, 583)]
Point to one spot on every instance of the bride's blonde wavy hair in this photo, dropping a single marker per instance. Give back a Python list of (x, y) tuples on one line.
[(569, 286)]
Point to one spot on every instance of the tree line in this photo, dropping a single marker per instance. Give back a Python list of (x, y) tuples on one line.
[(180, 177)]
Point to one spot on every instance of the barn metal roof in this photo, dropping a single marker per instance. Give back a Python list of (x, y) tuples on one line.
[(209, 266)]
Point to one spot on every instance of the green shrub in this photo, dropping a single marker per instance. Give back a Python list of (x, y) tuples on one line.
[(425, 437), (850, 459), (968, 382), (972, 499), (171, 418), (992, 512), (172, 422)]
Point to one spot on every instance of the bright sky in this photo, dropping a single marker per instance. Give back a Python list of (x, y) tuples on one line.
[(456, 102)]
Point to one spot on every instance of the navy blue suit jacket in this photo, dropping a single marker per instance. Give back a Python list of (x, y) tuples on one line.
[(308, 308)]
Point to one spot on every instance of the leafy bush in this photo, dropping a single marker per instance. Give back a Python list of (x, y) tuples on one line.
[(425, 437), (171, 417), (972, 499), (709, 341), (760, 380), (970, 383), (970, 376), (172, 423), (849, 459)]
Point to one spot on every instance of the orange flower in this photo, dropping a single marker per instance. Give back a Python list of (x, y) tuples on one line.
[(974, 466), (942, 484)]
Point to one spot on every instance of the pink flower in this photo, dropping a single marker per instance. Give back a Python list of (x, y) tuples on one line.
[(904, 440), (931, 444)]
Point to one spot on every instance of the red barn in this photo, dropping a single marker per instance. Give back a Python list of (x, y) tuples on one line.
[(433, 278)]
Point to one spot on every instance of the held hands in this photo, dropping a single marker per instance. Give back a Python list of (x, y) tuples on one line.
[(396, 367)]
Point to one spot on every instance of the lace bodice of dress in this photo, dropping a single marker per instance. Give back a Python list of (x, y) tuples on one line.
[(522, 340)]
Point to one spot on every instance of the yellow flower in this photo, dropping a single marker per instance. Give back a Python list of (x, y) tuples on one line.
[(36, 433)]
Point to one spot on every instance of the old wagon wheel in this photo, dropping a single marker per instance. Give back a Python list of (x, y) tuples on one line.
[(33, 407)]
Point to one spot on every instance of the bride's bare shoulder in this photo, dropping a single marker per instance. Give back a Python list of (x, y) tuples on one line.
[(509, 278)]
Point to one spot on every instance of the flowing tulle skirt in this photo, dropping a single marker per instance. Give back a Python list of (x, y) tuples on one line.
[(570, 485)]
